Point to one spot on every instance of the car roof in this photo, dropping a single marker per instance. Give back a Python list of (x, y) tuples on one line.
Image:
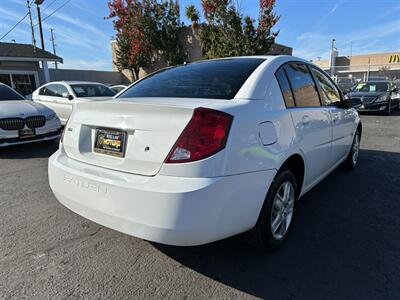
[(75, 82)]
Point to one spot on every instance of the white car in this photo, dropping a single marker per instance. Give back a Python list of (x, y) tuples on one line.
[(118, 88), (61, 95), (207, 150), (24, 121)]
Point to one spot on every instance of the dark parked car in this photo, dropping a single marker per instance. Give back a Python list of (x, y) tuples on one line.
[(380, 96)]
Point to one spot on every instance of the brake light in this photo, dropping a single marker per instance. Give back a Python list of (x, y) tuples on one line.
[(204, 135)]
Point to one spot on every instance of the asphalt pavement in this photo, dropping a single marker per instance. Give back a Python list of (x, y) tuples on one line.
[(345, 243)]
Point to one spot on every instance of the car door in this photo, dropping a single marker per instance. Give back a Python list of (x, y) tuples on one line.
[(63, 102), (313, 123), (46, 96), (342, 119)]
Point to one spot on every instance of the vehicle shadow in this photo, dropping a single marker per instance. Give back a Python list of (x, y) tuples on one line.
[(33, 150), (345, 242), (393, 113)]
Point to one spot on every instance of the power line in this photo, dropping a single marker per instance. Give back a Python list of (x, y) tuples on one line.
[(51, 3), (57, 9), (12, 28)]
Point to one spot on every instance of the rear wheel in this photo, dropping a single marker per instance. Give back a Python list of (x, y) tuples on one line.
[(276, 216), (352, 158)]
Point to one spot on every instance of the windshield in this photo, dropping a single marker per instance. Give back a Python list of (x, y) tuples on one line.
[(7, 93), (372, 87), (215, 79), (92, 90)]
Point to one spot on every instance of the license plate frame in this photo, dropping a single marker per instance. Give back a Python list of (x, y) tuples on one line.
[(26, 133), (110, 142)]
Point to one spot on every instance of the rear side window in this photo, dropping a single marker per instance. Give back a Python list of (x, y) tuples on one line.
[(217, 79), (285, 87), (92, 90), (305, 93), (328, 91), (53, 90), (48, 90)]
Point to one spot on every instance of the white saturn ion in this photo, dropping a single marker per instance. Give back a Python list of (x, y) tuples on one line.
[(60, 96), (207, 150), (24, 121)]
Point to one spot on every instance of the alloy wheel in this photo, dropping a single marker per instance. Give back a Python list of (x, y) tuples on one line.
[(355, 149), (282, 210)]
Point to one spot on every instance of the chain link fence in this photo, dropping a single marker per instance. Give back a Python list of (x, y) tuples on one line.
[(348, 76)]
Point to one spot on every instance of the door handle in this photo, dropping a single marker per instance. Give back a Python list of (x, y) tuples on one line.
[(55, 101), (306, 120), (335, 117)]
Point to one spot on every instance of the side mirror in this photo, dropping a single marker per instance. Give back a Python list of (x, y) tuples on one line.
[(68, 96), (352, 102), (395, 90), (346, 91)]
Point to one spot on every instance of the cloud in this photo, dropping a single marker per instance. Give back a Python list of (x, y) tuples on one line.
[(314, 44), (81, 25)]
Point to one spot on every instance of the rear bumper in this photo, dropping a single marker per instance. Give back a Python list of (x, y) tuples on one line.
[(170, 210)]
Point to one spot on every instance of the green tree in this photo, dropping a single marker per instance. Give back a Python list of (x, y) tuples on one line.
[(226, 32), (192, 14), (146, 30), (168, 38)]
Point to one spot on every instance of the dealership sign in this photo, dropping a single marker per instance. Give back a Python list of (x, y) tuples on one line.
[(395, 58)]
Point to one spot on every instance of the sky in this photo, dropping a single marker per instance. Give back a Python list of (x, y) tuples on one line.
[(83, 34)]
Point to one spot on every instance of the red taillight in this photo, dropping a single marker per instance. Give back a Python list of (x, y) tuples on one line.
[(204, 135)]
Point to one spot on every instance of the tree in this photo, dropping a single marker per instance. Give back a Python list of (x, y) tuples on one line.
[(192, 14), (226, 33), (167, 40), (146, 31)]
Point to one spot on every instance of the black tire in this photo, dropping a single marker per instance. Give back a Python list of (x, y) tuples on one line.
[(261, 236), (389, 109), (351, 161)]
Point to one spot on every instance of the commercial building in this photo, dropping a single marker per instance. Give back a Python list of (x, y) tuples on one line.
[(362, 67), (24, 67)]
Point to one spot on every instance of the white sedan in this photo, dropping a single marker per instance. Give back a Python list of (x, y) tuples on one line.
[(61, 95), (203, 151), (24, 121)]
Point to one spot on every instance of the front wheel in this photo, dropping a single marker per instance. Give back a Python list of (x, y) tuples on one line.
[(276, 216), (389, 109)]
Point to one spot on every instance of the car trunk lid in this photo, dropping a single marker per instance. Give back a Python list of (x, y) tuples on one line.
[(152, 127)]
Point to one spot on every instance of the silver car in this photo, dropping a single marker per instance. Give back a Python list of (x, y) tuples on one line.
[(24, 121)]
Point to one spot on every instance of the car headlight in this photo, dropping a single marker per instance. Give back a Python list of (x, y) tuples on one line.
[(51, 117), (382, 98)]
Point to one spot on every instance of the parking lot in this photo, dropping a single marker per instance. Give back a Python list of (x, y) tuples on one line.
[(345, 243)]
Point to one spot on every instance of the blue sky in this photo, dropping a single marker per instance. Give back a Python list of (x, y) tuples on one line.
[(83, 35)]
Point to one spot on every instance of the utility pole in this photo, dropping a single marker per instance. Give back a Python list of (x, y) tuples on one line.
[(332, 59), (54, 46), (351, 48), (38, 3), (30, 19)]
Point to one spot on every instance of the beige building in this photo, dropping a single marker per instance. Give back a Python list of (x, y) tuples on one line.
[(193, 51), (363, 67)]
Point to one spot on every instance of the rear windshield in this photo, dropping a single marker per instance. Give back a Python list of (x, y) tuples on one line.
[(7, 93), (217, 79), (92, 90)]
